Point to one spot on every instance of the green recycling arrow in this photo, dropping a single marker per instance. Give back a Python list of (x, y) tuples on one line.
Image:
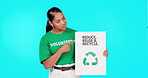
[(92, 54)]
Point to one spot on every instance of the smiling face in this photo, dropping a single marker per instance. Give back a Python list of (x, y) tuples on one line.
[(59, 21)]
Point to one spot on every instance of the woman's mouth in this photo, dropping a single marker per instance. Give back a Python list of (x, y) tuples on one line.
[(63, 26)]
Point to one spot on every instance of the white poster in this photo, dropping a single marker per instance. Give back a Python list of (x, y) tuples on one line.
[(89, 48)]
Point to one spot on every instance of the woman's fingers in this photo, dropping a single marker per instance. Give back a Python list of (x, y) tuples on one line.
[(71, 42), (105, 53)]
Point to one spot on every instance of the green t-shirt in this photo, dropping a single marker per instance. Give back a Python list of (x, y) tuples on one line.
[(50, 43)]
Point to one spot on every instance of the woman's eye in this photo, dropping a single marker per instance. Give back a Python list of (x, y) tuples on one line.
[(58, 21)]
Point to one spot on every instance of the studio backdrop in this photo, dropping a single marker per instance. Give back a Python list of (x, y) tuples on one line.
[(23, 22)]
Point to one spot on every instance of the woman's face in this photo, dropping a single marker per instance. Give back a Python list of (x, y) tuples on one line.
[(59, 21)]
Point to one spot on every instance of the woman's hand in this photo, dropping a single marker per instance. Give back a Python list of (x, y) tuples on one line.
[(105, 53), (66, 47)]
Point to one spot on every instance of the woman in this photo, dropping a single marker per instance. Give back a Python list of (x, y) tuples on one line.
[(57, 46)]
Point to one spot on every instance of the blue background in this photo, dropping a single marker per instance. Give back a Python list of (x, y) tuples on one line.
[(22, 24)]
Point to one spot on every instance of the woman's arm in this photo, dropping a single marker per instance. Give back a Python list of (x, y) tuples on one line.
[(48, 63)]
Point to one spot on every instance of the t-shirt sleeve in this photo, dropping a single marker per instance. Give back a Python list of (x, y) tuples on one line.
[(44, 51)]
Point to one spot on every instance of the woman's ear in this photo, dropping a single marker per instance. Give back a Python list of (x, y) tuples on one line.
[(50, 23)]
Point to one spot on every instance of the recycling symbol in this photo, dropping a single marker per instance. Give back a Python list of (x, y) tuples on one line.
[(85, 62)]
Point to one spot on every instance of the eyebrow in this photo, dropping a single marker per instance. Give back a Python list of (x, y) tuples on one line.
[(62, 17)]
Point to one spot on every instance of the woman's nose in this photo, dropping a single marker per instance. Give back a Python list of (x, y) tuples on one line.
[(63, 22)]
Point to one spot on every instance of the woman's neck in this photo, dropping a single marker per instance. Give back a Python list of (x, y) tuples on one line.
[(57, 31)]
